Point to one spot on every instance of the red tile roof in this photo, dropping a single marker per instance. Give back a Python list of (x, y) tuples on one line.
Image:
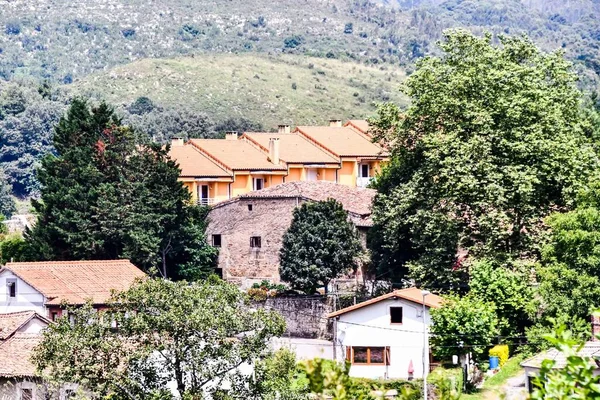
[(236, 154), (411, 294), (15, 355), (77, 281), (343, 142), (11, 322), (195, 164), (293, 148), (360, 125)]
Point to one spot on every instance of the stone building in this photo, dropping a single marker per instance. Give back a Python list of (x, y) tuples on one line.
[(249, 229)]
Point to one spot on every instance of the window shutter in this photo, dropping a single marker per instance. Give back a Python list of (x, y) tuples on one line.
[(387, 356), (348, 353)]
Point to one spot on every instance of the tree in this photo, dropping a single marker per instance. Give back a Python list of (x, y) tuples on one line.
[(108, 194), (7, 202), (195, 336), (276, 377), (463, 325), (494, 141), (320, 245)]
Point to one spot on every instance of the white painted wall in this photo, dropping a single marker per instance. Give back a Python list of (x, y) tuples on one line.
[(370, 326), (27, 299)]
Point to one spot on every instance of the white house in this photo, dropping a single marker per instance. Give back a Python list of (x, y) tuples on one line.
[(383, 337), (44, 286)]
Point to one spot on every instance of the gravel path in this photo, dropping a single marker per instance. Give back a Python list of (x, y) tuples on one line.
[(514, 388)]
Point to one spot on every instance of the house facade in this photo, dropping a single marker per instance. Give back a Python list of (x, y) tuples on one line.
[(216, 170), (382, 338), (249, 230), (43, 287)]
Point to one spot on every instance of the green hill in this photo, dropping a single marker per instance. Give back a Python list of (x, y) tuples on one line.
[(266, 90)]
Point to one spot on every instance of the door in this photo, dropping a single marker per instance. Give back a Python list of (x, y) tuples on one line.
[(312, 174), (364, 170), (204, 199), (259, 183)]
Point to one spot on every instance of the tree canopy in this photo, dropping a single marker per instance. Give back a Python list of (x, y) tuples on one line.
[(193, 335), (494, 141), (320, 245), (108, 194), (7, 202)]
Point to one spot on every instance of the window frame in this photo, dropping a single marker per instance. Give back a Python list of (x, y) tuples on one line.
[(254, 240), (362, 166), (385, 351), (220, 240), (255, 183), (401, 315), (11, 288)]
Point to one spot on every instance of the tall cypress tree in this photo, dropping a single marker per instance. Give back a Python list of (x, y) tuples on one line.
[(109, 194)]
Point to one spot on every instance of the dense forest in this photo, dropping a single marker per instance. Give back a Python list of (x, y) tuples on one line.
[(300, 61)]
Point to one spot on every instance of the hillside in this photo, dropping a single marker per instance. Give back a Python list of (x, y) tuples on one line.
[(265, 90)]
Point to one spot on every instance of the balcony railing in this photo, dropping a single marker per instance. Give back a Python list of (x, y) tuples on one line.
[(206, 202), (363, 182)]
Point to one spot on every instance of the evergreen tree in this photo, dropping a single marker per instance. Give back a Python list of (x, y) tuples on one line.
[(320, 245), (7, 203), (108, 195)]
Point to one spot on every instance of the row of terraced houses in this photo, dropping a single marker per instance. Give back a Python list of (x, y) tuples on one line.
[(215, 170)]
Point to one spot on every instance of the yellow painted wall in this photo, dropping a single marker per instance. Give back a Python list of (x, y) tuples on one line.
[(221, 191), (327, 174), (276, 180), (295, 174), (241, 184), (347, 174)]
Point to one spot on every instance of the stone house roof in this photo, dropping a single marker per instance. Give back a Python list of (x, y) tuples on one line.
[(343, 141), (16, 355), (195, 164), (236, 154), (10, 323), (294, 148), (76, 282), (412, 294), (590, 350)]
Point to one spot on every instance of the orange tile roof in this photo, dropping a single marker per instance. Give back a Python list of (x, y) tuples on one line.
[(193, 163), (359, 124), (343, 142), (293, 148), (15, 354), (411, 294), (11, 322), (77, 281), (236, 154)]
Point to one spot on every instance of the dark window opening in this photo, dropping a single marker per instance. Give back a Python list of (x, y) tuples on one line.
[(258, 183), (26, 394), (249, 207), (12, 287), (216, 240), (255, 242), (54, 316), (396, 315), (364, 170), (219, 272)]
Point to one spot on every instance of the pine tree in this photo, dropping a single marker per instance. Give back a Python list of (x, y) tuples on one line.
[(109, 194), (320, 245), (7, 203)]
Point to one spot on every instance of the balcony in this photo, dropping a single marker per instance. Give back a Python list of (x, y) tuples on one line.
[(206, 201), (363, 182)]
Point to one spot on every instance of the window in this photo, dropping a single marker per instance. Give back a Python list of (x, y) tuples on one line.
[(396, 315), (255, 242), (216, 240), (27, 394), (54, 315), (364, 170), (11, 287), (249, 207), (219, 272), (259, 183), (369, 355)]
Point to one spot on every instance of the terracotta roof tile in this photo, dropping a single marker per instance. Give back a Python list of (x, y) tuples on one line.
[(343, 142), (293, 148), (77, 281), (11, 322), (590, 350), (359, 124), (412, 294), (236, 154), (353, 199), (15, 354), (193, 163)]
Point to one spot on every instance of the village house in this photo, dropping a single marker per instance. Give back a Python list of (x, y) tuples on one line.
[(45, 286), (216, 170), (249, 229), (384, 337)]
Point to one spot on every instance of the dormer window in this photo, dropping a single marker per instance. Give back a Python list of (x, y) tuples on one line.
[(11, 288)]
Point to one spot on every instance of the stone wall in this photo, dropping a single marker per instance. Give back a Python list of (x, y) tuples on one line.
[(305, 316)]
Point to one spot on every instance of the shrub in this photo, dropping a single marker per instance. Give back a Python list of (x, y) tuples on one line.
[(293, 41), (257, 294), (500, 351), (448, 382)]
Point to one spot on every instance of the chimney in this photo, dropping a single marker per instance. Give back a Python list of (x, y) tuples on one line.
[(231, 135), (283, 129), (177, 141), (335, 123), (595, 328), (274, 150)]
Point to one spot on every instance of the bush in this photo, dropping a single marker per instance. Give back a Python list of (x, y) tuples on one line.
[(257, 294), (448, 382), (500, 351)]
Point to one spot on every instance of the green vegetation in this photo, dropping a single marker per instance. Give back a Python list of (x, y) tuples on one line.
[(493, 387), (320, 245), (109, 195), (7, 203)]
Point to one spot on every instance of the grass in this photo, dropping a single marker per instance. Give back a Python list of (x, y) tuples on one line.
[(492, 387), (269, 90)]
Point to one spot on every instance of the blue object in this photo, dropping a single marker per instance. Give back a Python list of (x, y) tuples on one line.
[(494, 361)]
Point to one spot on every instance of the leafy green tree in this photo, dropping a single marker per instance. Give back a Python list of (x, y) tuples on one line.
[(13, 248), (276, 377), (194, 335), (107, 194), (463, 325), (320, 245), (494, 141), (7, 202)]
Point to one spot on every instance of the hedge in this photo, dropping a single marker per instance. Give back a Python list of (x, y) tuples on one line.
[(500, 351)]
